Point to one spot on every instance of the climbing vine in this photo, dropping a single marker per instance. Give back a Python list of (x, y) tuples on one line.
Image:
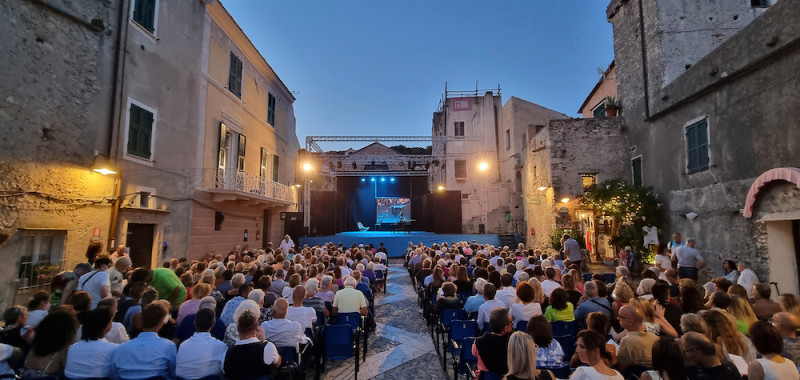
[(632, 207)]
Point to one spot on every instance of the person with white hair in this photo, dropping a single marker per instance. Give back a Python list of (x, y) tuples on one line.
[(325, 292), (474, 302), (645, 288), (231, 333), (282, 331), (312, 300), (349, 300)]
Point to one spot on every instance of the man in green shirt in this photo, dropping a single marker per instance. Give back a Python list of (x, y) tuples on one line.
[(168, 285)]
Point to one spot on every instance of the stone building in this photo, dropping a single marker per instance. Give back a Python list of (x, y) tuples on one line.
[(56, 101), (563, 158), (521, 120), (710, 90)]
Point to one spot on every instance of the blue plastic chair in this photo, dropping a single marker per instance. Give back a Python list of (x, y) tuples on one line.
[(521, 326), (351, 319), (288, 355), (466, 360), (491, 376), (340, 344), (561, 373), (460, 330), (609, 277), (587, 277), (564, 333)]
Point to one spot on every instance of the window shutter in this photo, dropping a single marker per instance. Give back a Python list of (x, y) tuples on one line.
[(275, 163), (146, 132), (223, 131), (702, 144), (241, 151), (263, 163), (697, 146), (133, 129), (149, 14)]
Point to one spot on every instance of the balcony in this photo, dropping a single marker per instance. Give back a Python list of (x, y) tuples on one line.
[(231, 185)]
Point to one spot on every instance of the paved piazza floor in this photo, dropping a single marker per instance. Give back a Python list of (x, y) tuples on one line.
[(401, 347)]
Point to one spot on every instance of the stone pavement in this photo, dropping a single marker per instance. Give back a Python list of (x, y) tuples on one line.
[(401, 346)]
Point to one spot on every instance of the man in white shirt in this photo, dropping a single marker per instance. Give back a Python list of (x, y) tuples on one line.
[(689, 260), (201, 355), (96, 282), (281, 331), (550, 283), (507, 294), (115, 275), (286, 245), (306, 316), (485, 310), (747, 277)]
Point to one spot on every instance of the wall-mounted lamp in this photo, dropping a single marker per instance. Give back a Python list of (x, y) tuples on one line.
[(102, 166), (691, 215), (440, 188), (543, 185), (565, 200)]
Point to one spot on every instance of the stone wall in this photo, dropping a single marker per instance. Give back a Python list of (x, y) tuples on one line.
[(746, 89), (55, 115)]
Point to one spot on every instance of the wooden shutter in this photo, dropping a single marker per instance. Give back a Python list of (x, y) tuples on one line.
[(140, 131), (697, 146), (223, 131), (240, 152), (144, 13), (275, 165)]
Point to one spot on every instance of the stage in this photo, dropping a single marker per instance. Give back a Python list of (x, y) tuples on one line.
[(397, 242)]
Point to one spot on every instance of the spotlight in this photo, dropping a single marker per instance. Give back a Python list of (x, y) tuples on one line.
[(541, 188), (306, 166), (391, 179), (440, 188), (372, 179), (363, 179), (483, 166), (383, 179)]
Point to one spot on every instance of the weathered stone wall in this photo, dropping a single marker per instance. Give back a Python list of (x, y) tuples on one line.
[(747, 89), (55, 113)]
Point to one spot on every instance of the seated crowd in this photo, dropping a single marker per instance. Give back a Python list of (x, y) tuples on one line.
[(227, 316), (609, 327)]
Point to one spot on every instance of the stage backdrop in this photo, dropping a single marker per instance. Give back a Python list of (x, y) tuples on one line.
[(356, 200)]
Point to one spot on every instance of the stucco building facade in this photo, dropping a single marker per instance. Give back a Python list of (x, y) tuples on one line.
[(709, 91)]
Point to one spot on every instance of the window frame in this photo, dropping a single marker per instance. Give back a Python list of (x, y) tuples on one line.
[(276, 165), (456, 169), (455, 128), (153, 132), (641, 171), (272, 103), (32, 264), (508, 139), (152, 34), (688, 150), (592, 175), (597, 107), (232, 75)]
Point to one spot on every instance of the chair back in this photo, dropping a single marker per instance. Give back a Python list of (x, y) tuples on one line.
[(587, 277), (564, 333), (491, 376), (379, 275), (521, 326), (463, 328), (338, 342), (562, 372), (466, 357), (360, 226), (351, 319), (463, 295), (449, 315), (609, 277), (288, 355)]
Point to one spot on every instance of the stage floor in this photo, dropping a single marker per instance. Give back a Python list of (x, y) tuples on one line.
[(397, 242)]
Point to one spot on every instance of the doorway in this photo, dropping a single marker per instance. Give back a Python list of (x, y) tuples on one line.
[(139, 242)]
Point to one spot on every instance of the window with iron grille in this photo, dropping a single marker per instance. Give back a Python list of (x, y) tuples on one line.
[(42, 257), (235, 76)]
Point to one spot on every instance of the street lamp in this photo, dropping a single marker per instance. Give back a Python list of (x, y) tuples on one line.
[(483, 166), (307, 167)]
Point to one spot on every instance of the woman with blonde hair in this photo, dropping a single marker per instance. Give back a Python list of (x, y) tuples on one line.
[(743, 312), (790, 304), (521, 359), (723, 332), (538, 292), (654, 320), (623, 294)]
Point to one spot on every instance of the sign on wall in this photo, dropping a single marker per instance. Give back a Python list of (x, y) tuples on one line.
[(461, 104)]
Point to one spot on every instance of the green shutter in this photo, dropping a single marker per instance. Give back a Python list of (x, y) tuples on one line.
[(140, 131), (235, 75), (697, 146), (275, 165), (271, 110)]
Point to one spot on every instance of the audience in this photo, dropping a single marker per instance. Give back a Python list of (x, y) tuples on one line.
[(591, 352), (202, 355), (769, 344), (521, 349), (252, 357), (550, 354), (148, 355), (491, 348), (92, 356)]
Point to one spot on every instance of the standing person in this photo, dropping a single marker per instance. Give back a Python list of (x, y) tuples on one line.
[(286, 244), (117, 275), (573, 250), (673, 246), (64, 283), (730, 271), (689, 260), (772, 365), (663, 262), (747, 277), (96, 282), (591, 350)]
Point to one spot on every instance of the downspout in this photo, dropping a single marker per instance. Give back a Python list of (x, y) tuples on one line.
[(116, 109), (644, 62)]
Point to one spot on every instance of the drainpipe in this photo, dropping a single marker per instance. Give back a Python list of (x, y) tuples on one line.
[(116, 110), (644, 62)]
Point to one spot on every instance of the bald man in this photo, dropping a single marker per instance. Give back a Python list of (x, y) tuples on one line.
[(635, 349), (787, 325)]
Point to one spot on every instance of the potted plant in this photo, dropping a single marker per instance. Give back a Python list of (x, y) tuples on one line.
[(612, 106)]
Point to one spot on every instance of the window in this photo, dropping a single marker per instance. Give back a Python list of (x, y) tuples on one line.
[(144, 14), (508, 139), (760, 3), (140, 132), (263, 165), (636, 168), (240, 152), (458, 128), (275, 162), (599, 112), (697, 146), (588, 179), (235, 76), (461, 168), (224, 144), (42, 257), (271, 110)]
